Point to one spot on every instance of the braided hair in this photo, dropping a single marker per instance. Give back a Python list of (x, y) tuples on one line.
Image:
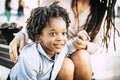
[(40, 17), (99, 10)]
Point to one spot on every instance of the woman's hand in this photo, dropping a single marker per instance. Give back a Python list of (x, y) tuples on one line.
[(16, 45), (81, 40), (83, 35)]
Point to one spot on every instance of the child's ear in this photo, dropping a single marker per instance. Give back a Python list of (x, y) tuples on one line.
[(38, 38)]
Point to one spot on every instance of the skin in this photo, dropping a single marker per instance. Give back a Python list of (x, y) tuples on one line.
[(53, 38), (19, 41)]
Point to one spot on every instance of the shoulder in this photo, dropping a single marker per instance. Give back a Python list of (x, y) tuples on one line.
[(29, 52), (30, 56), (29, 48)]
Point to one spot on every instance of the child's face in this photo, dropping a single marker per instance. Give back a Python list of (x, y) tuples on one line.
[(53, 37)]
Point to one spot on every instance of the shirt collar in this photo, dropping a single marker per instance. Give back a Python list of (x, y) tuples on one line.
[(41, 51)]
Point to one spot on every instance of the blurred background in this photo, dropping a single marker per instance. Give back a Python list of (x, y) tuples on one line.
[(106, 66), (26, 5)]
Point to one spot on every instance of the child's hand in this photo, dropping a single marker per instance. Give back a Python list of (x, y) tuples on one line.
[(81, 41), (83, 35)]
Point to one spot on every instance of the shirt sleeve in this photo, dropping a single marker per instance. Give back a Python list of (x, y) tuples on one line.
[(92, 47), (95, 45), (24, 69), (70, 47)]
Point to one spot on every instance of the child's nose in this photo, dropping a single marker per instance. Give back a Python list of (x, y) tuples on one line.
[(60, 37)]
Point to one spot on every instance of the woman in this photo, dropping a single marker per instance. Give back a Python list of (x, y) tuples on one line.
[(94, 16)]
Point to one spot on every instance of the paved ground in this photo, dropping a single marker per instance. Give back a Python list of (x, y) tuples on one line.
[(106, 66), (3, 72)]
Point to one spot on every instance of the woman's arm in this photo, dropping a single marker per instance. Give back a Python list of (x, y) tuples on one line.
[(96, 44), (17, 44)]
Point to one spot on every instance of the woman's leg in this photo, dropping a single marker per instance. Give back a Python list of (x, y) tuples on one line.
[(67, 70), (81, 60)]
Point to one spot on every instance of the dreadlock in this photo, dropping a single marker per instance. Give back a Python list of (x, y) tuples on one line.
[(40, 17), (100, 9)]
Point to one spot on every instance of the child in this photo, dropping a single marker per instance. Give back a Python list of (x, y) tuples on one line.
[(43, 59)]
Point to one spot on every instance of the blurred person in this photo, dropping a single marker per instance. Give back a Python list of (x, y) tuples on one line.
[(20, 10), (8, 9), (96, 17)]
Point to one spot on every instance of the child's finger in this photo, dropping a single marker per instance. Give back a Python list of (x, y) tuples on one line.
[(83, 35)]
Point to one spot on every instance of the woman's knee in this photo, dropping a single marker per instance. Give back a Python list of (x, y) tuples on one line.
[(81, 55), (81, 60), (68, 64)]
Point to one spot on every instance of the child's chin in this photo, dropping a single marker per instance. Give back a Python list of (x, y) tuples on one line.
[(57, 52)]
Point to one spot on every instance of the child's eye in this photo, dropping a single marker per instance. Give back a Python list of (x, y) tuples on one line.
[(64, 33), (52, 34)]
